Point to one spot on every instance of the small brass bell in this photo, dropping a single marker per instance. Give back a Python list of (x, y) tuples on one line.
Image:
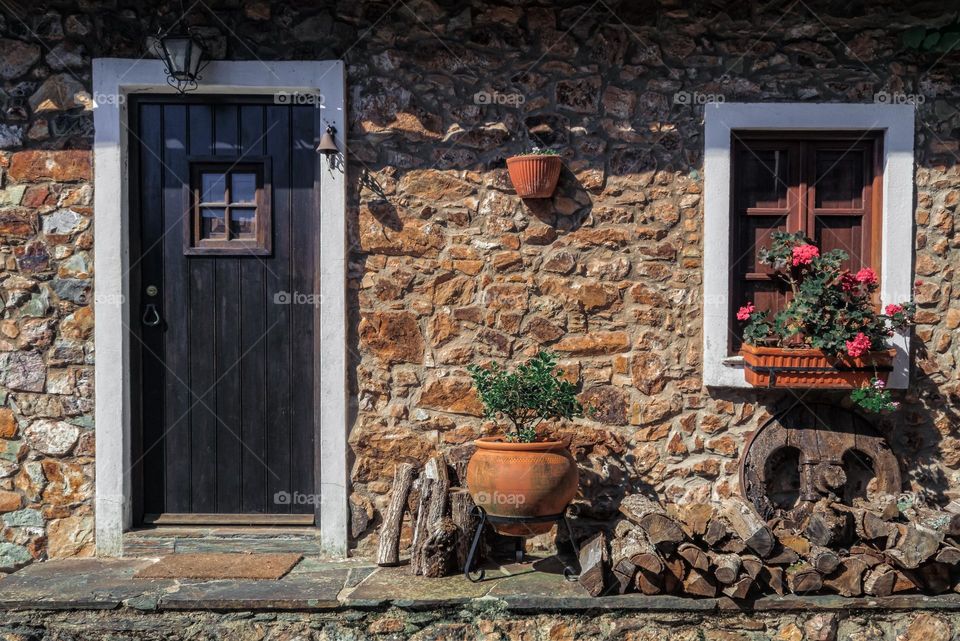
[(327, 146)]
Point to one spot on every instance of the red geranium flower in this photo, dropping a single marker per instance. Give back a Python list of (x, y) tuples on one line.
[(804, 254), (744, 312), (859, 345), (867, 276), (893, 310)]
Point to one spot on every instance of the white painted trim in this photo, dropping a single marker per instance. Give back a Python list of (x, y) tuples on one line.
[(896, 280), (113, 80)]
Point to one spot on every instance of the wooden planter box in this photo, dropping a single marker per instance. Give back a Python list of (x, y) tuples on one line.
[(812, 368), (534, 175)]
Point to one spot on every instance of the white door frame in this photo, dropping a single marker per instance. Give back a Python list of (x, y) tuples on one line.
[(113, 80)]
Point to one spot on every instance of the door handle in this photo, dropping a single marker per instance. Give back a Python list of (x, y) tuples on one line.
[(151, 317)]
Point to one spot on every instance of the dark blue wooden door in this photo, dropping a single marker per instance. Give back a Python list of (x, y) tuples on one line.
[(225, 281)]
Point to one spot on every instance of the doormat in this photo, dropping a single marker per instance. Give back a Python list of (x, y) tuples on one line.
[(221, 566)]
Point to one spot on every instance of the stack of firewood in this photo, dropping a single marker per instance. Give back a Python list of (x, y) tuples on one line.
[(441, 514), (880, 547)]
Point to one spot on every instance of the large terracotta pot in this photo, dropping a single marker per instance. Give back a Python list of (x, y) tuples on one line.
[(534, 175), (812, 368), (522, 480)]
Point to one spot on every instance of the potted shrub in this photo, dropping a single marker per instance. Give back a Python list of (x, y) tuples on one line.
[(829, 334), (535, 174), (524, 473)]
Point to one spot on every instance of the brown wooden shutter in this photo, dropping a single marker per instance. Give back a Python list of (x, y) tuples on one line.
[(826, 185)]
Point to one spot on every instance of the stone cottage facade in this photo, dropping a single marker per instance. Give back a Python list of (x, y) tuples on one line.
[(447, 267)]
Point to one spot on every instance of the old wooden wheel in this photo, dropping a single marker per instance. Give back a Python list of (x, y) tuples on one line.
[(814, 451)]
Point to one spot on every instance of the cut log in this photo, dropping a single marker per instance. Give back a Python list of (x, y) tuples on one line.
[(646, 556), (797, 543), (697, 584), (823, 560), (648, 584), (388, 552), (828, 527), (739, 588), (946, 522), (751, 565), (436, 471), (772, 577), (949, 555), (879, 580), (694, 518), (593, 559), (934, 577), (624, 569), (918, 544), (674, 571), (461, 511), (783, 556), (903, 583), (421, 527), (653, 519), (717, 531), (694, 556), (440, 549), (848, 578), (803, 579), (748, 525), (726, 567)]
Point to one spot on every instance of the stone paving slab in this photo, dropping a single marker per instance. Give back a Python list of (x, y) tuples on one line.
[(317, 584), (305, 592), (71, 584)]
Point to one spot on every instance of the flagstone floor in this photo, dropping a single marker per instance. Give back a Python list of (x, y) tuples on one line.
[(317, 585)]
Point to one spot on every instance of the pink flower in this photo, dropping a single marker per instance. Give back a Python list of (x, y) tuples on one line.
[(893, 310), (859, 345), (804, 254), (878, 383), (867, 276), (743, 314)]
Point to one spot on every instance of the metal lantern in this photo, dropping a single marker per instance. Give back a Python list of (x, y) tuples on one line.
[(182, 54)]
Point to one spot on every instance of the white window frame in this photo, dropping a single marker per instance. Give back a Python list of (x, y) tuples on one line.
[(113, 80), (896, 277)]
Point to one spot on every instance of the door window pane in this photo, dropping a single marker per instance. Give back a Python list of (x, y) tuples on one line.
[(213, 223), (243, 222), (213, 188), (243, 188)]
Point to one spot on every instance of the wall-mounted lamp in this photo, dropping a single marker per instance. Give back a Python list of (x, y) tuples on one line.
[(328, 146), (182, 53)]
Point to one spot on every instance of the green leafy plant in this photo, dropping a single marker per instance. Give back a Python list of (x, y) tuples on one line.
[(874, 397), (829, 307), (532, 392)]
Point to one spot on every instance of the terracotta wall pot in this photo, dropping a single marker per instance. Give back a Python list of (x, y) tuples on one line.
[(839, 372), (534, 175), (522, 480)]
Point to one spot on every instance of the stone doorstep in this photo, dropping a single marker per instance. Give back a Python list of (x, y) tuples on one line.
[(157, 541), (316, 585)]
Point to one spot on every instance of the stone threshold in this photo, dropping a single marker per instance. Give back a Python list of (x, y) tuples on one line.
[(316, 585), (173, 539)]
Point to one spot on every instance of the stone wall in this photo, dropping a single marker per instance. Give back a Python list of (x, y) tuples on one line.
[(489, 623), (447, 266)]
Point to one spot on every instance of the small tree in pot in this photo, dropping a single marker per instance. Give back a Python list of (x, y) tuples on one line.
[(523, 474)]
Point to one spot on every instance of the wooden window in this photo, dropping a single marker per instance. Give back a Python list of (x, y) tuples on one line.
[(229, 205), (825, 185)]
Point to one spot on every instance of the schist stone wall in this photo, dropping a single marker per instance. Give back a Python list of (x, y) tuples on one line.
[(447, 266)]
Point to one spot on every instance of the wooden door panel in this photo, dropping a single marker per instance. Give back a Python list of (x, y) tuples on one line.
[(228, 379)]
